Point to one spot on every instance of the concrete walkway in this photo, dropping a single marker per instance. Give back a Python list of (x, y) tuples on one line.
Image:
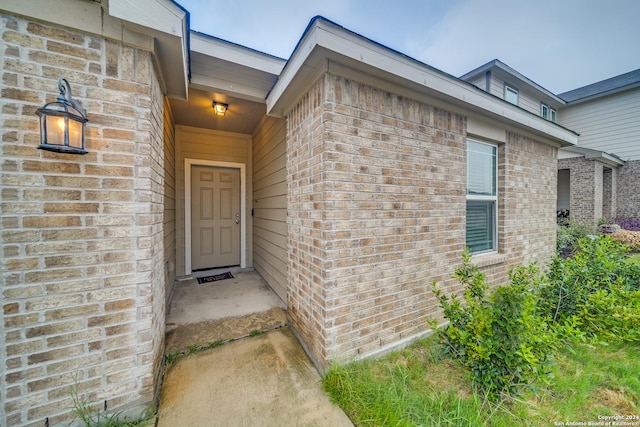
[(263, 380)]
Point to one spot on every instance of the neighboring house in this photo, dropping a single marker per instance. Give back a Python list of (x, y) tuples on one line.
[(604, 171), (352, 177), (598, 177)]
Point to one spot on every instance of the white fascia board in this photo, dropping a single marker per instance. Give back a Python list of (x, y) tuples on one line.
[(605, 158), (246, 57), (167, 23), (610, 160), (282, 96), (326, 41), (157, 15), (591, 154)]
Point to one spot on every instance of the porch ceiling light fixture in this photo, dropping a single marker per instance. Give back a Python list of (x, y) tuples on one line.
[(220, 108), (62, 123)]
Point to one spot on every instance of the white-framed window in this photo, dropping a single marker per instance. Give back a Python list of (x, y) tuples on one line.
[(547, 112), (544, 111), (511, 94), (482, 196)]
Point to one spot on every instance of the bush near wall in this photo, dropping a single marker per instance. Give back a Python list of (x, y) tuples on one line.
[(505, 336), (596, 289), (629, 238), (498, 336), (570, 232)]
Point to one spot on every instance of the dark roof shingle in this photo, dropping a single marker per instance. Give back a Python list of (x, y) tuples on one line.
[(613, 83)]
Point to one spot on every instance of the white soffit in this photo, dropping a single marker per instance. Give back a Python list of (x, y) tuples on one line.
[(325, 42), (167, 23), (222, 66)]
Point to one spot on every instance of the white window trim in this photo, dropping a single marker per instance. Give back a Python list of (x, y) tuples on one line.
[(493, 250), (542, 108), (508, 88), (552, 114)]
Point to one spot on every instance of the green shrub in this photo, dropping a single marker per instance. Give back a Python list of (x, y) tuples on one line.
[(500, 338), (570, 232), (612, 315), (628, 238), (598, 264)]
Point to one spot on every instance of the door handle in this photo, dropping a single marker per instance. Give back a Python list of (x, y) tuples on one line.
[(237, 218)]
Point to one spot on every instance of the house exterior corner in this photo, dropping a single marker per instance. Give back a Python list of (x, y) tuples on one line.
[(376, 202), (83, 270)]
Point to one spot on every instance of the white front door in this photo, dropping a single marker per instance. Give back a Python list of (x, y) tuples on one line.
[(215, 217)]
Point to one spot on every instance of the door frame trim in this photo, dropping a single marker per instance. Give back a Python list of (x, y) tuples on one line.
[(188, 163)]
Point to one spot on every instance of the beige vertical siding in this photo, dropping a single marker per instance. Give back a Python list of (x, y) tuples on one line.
[(270, 204), (205, 144), (169, 222), (610, 124)]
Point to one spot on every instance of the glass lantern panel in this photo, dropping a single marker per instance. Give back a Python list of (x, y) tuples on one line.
[(75, 134), (55, 127)]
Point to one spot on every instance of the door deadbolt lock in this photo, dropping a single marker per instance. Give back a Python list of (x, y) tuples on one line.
[(237, 218)]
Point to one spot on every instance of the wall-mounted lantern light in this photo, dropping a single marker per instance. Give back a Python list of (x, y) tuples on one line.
[(62, 123), (220, 108)]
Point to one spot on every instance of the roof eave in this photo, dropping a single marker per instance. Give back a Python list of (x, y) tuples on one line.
[(497, 64), (232, 69), (603, 94), (602, 156), (168, 23), (325, 42)]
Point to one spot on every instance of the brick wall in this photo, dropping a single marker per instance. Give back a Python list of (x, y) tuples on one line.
[(586, 183), (527, 187), (628, 200), (597, 191), (82, 244), (376, 198), (609, 192)]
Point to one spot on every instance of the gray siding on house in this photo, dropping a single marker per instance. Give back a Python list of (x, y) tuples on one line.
[(480, 81), (610, 124), (270, 204), (526, 100)]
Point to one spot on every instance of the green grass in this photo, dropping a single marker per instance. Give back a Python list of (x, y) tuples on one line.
[(420, 386), (592, 381), (91, 415)]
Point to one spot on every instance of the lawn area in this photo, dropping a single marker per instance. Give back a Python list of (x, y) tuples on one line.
[(560, 349), (421, 386)]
